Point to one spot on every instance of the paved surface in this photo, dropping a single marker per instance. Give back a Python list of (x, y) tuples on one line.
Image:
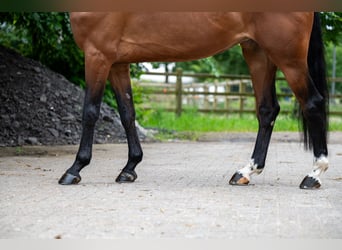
[(182, 192)]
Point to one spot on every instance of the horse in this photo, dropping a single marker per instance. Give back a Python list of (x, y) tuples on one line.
[(290, 42)]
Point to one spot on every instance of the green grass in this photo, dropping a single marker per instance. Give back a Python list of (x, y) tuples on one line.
[(200, 122), (335, 123), (191, 123)]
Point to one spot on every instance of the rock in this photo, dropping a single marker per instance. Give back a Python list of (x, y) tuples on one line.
[(107, 118), (54, 132), (37, 69), (43, 98), (67, 132), (32, 140), (5, 119), (69, 117), (16, 124)]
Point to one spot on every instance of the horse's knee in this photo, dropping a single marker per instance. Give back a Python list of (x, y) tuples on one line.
[(91, 114), (267, 114), (127, 118)]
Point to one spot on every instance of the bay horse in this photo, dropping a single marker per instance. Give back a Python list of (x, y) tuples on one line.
[(291, 42)]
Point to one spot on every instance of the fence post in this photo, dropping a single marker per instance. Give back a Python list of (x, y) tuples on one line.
[(179, 73), (206, 97), (242, 97), (228, 90), (215, 96)]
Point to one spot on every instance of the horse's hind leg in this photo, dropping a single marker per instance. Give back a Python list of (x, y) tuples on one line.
[(312, 104), (313, 108), (97, 68), (301, 63), (262, 71), (121, 84)]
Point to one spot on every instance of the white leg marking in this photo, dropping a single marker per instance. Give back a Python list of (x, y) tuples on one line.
[(249, 169), (321, 165)]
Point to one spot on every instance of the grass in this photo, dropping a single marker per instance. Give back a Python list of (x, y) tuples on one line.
[(192, 123)]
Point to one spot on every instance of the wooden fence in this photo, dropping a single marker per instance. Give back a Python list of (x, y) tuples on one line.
[(226, 94)]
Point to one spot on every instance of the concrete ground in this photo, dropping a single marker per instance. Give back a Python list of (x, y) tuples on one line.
[(182, 191)]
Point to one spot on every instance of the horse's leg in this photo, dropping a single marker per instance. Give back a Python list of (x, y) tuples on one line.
[(313, 108), (305, 73), (312, 102), (121, 84), (303, 66), (262, 71), (96, 69)]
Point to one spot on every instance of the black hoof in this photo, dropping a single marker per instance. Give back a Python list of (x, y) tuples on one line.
[(69, 179), (126, 176), (238, 180), (310, 183)]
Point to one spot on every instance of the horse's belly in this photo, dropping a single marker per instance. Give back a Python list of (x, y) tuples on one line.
[(171, 52), (185, 37)]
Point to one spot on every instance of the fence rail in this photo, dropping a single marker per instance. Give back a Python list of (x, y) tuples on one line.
[(232, 94)]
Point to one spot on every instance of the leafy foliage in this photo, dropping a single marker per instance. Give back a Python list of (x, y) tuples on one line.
[(46, 37), (332, 27)]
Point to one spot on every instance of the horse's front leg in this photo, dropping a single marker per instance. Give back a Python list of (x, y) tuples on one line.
[(121, 84), (97, 68)]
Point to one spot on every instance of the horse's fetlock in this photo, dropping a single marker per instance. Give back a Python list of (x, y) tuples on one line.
[(83, 158), (136, 157), (321, 164)]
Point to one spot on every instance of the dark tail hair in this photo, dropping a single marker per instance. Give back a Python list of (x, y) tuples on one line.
[(317, 71)]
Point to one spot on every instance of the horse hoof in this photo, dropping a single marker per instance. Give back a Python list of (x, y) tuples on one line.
[(238, 180), (310, 183), (69, 179), (125, 177)]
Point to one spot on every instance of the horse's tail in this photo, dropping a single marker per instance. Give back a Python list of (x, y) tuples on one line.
[(317, 71)]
